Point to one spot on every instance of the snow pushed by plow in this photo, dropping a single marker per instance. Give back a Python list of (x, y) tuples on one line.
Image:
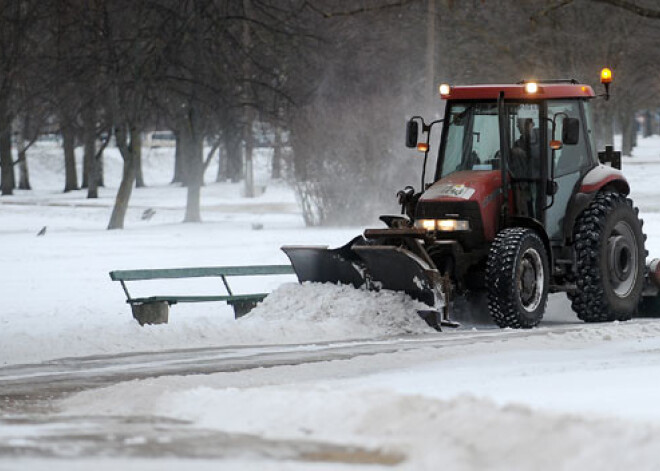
[(337, 312)]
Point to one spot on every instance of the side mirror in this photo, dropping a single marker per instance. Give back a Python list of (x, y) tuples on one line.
[(570, 134), (412, 133)]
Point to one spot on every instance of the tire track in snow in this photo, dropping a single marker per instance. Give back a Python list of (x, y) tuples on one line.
[(49, 380)]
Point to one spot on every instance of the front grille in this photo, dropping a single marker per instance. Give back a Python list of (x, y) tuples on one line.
[(464, 210), (448, 209)]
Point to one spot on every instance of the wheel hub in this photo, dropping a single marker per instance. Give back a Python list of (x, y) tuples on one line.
[(622, 259), (530, 280)]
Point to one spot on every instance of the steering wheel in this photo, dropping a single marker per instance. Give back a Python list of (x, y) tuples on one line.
[(495, 160), (471, 161)]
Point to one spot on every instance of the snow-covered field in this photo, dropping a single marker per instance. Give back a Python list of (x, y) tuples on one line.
[(582, 397)]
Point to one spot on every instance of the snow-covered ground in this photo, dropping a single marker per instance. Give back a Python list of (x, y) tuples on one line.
[(578, 398)]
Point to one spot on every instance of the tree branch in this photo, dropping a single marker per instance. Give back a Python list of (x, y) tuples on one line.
[(357, 11), (549, 9), (631, 7)]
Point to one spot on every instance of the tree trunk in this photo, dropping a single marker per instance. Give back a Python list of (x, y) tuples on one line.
[(608, 128), (276, 168), (234, 157), (222, 166), (648, 124), (93, 177), (627, 130), (179, 164), (89, 146), (300, 164), (192, 148), (430, 51), (68, 142), (248, 114), (249, 168), (7, 181), (99, 170), (96, 177), (23, 172), (209, 156), (137, 160), (127, 179)]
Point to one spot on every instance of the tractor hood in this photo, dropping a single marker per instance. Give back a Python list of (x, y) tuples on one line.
[(473, 195), (472, 185)]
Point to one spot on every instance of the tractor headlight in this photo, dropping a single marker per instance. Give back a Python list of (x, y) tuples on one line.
[(531, 87), (444, 225), (445, 89)]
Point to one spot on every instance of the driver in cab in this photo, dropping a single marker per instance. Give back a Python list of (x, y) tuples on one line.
[(525, 166)]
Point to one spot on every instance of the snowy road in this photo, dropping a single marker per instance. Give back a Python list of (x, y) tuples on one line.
[(51, 379), (242, 404)]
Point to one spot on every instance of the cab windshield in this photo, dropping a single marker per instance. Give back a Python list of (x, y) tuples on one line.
[(472, 140)]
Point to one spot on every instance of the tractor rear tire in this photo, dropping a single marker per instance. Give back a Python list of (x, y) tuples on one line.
[(610, 260), (517, 277)]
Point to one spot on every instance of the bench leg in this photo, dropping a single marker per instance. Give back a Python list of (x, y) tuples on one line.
[(241, 308), (151, 313)]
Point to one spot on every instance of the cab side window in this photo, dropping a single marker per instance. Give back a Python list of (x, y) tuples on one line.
[(588, 116), (570, 158)]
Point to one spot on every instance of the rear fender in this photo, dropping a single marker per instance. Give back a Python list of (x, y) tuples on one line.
[(603, 177), (599, 178)]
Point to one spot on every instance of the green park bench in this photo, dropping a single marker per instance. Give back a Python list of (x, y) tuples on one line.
[(155, 309)]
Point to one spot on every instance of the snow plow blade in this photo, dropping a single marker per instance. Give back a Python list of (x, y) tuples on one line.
[(375, 267), (323, 265), (358, 264), (397, 269)]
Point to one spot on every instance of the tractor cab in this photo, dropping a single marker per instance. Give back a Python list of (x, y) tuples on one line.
[(532, 141)]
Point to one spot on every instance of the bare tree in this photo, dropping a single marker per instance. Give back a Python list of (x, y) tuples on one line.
[(18, 22)]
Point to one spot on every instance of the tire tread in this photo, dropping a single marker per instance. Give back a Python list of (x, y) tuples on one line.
[(500, 278), (588, 301)]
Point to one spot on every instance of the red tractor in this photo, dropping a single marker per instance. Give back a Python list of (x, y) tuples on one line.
[(520, 205)]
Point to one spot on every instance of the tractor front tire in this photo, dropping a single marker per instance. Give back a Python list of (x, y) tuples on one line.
[(610, 260), (517, 278)]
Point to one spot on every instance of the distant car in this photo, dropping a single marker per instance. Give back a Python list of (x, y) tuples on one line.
[(160, 139)]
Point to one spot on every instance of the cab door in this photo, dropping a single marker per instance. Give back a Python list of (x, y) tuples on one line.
[(526, 157), (569, 162)]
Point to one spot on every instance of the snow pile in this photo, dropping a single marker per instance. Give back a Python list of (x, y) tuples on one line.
[(423, 433), (339, 311), (637, 329), (291, 314)]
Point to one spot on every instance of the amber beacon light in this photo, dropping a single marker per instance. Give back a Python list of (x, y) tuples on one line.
[(605, 75), (606, 79)]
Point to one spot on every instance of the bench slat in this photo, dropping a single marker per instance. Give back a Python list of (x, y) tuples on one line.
[(198, 272), (198, 299)]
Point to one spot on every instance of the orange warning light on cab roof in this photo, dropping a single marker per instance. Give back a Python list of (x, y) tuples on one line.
[(606, 75)]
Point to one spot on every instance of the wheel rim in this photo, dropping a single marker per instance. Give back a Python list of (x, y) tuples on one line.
[(622, 259), (530, 279)]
